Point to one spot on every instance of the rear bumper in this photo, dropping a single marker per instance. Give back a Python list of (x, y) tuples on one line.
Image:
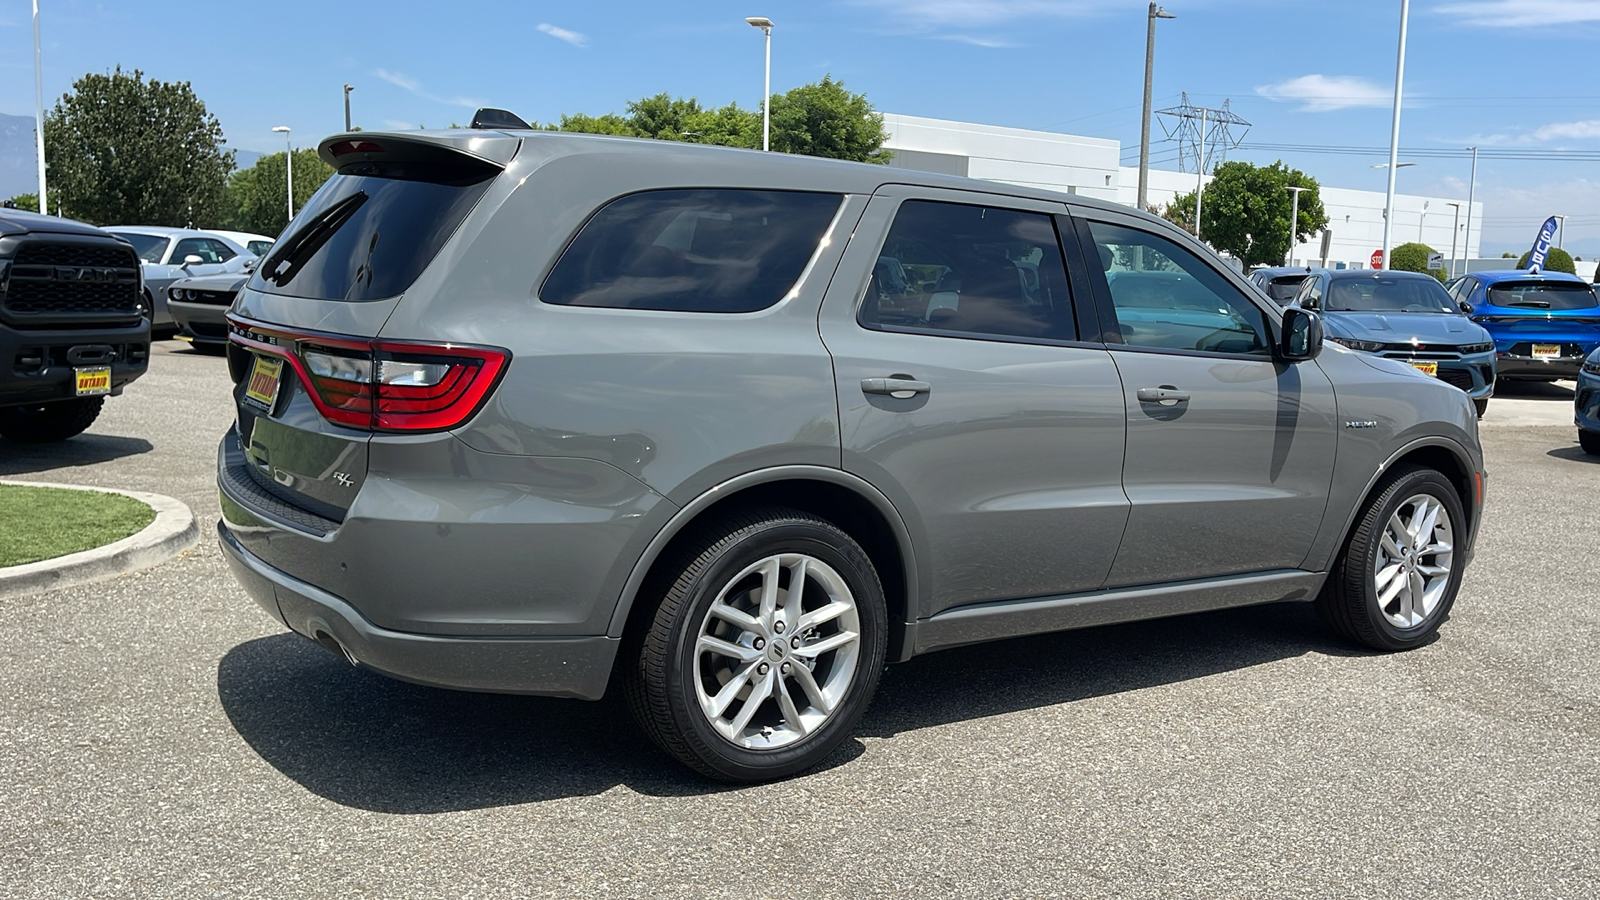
[(1512, 366), (125, 348), (565, 666)]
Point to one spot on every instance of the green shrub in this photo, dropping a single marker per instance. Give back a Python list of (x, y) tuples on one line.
[(1557, 260)]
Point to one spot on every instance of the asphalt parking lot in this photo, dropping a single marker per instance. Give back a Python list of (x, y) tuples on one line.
[(161, 737)]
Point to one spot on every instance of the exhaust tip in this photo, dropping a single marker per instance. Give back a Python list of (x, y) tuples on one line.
[(331, 644)]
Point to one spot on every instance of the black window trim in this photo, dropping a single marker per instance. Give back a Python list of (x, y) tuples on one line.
[(1273, 317), (1077, 284)]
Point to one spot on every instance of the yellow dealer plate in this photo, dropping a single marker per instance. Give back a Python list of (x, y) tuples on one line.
[(1546, 351), (1430, 368), (92, 380), (264, 378)]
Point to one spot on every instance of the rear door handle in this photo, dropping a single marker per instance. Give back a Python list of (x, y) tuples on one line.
[(901, 388), (1161, 394)]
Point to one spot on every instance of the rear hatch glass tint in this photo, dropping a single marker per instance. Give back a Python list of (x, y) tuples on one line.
[(371, 229), (1283, 288), (1543, 295)]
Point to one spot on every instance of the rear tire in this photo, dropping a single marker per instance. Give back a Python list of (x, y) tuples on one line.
[(1589, 441), (740, 677), (1395, 580), (40, 423)]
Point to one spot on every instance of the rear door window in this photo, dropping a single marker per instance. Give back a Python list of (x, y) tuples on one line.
[(371, 229), (976, 270), (1543, 295), (708, 251)]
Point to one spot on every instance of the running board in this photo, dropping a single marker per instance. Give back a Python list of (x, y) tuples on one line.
[(1014, 618)]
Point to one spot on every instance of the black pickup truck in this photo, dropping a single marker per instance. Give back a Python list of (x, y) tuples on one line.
[(73, 324)]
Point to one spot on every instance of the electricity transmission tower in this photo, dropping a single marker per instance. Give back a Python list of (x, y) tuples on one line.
[(1199, 130)]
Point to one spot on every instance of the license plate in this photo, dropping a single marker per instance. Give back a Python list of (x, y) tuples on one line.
[(265, 376), (92, 380), (1427, 368), (1546, 351)]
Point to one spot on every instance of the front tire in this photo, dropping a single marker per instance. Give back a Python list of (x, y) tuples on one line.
[(41, 423), (1589, 441), (1395, 580), (743, 677)]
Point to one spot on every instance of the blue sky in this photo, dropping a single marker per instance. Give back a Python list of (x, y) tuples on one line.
[(1507, 75)]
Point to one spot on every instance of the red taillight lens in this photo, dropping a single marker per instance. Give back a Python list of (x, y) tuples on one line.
[(385, 385)]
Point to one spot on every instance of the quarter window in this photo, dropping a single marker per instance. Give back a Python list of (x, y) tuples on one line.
[(951, 267), (1167, 298), (719, 251)]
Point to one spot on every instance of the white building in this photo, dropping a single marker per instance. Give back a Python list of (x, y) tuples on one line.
[(1090, 166)]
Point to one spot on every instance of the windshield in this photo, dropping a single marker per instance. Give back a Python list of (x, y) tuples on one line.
[(1283, 289), (150, 247), (1376, 293), (1543, 295), (259, 248)]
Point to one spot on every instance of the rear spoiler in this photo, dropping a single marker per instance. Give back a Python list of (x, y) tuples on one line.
[(455, 146)]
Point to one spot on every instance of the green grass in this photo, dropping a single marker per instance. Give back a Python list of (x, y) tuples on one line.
[(43, 523)]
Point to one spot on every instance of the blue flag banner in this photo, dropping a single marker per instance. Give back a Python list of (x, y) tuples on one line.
[(1541, 245)]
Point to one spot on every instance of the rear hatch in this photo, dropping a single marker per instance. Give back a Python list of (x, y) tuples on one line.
[(312, 381), (1524, 312)]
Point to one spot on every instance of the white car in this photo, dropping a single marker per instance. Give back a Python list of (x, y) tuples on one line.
[(172, 253), (258, 244)]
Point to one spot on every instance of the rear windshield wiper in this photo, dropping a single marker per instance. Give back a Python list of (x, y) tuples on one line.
[(1535, 304), (286, 263)]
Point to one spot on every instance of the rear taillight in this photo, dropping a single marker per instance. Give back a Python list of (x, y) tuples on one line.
[(385, 385)]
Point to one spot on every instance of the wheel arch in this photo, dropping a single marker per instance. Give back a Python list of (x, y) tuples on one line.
[(849, 502), (1445, 457)]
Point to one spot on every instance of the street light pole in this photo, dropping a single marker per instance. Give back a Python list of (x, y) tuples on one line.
[(347, 90), (1455, 225), (1394, 131), (1472, 183), (288, 168), (1156, 12), (765, 24), (1561, 230), (38, 110), (1294, 223), (1200, 177)]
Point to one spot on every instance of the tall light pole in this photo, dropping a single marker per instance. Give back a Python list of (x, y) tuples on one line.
[(1394, 130), (1455, 225), (1156, 12), (347, 90), (38, 109), (1472, 183), (288, 163), (1294, 223), (1200, 177), (1422, 221), (1561, 230), (765, 24)]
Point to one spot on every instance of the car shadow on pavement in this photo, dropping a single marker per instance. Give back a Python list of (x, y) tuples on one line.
[(370, 742), (1512, 389), (18, 458), (1574, 453)]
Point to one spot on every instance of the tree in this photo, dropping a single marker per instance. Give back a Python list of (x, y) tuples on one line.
[(1557, 260), (256, 201), (29, 202), (824, 119), (121, 149), (1246, 211), (821, 119), (1413, 257)]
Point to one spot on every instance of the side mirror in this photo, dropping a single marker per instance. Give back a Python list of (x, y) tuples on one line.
[(1302, 334), (1466, 308), (192, 260), (1308, 303)]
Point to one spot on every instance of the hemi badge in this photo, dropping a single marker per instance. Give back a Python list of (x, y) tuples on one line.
[(1361, 423)]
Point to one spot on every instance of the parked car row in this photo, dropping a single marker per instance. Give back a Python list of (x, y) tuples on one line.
[(169, 255)]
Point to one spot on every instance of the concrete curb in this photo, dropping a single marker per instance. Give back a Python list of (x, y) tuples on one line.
[(173, 531)]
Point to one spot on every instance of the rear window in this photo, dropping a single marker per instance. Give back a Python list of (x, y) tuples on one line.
[(720, 251), (1543, 295), (1284, 287), (371, 230)]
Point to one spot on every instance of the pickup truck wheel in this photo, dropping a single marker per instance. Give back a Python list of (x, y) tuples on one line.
[(1394, 582), (39, 423), (1589, 441), (765, 649)]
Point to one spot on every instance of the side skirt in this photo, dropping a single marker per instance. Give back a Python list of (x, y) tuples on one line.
[(1013, 618)]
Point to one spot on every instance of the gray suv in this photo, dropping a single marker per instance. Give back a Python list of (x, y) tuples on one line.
[(532, 412)]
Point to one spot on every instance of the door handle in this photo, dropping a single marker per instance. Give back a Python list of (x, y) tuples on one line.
[(1161, 394), (897, 387)]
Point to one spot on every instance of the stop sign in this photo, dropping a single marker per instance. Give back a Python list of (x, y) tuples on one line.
[(1377, 259)]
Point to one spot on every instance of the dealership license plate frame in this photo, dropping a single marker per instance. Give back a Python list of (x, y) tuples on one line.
[(261, 389), (1546, 351), (91, 381), (1427, 368)]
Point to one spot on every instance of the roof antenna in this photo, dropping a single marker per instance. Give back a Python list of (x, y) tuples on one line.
[(489, 117)]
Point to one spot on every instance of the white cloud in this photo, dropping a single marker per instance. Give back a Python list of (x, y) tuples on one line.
[(414, 86), (397, 125), (1326, 93), (1522, 13), (562, 34), (1585, 130)]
